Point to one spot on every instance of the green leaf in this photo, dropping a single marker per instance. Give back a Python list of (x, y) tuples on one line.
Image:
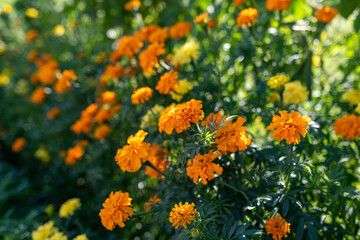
[(346, 7), (312, 232), (357, 24), (300, 230), (285, 208)]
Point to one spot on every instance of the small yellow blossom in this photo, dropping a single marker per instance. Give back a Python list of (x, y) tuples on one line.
[(59, 30), (42, 154), (189, 51), (352, 97), (181, 89), (273, 97), (32, 13), (151, 118), (295, 93), (81, 237), (4, 79), (69, 207), (277, 81), (44, 232), (8, 8)]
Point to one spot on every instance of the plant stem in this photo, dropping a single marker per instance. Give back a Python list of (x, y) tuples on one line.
[(290, 157), (149, 164)]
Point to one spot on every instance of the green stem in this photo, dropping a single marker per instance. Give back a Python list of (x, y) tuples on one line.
[(149, 164), (290, 157)]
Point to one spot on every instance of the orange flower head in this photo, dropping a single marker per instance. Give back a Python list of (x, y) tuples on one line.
[(202, 18), (32, 55), (64, 84), (289, 126), (18, 145), (180, 30), (278, 5), (151, 202), (232, 137), (214, 118), (179, 117), (31, 35), (149, 57), (104, 114), (141, 95), (326, 14), (212, 23), (144, 34), (111, 72), (102, 132), (74, 154), (48, 68), (108, 97), (181, 215), (247, 16), (38, 96), (237, 3), (116, 210), (128, 46), (157, 156), (348, 127), (101, 57), (159, 36), (278, 227), (132, 5), (203, 167), (90, 110), (168, 81), (131, 156), (53, 113)]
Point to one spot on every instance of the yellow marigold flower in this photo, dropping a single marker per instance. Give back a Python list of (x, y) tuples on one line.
[(232, 137), (53, 113), (352, 97), (132, 5), (116, 210), (141, 95), (348, 127), (167, 82), (273, 97), (128, 46), (189, 51), (151, 202), (42, 154), (74, 154), (111, 72), (214, 118), (181, 215), (203, 167), (81, 237), (31, 35), (131, 156), (18, 145), (202, 18), (157, 156), (64, 82), (4, 79), (151, 118), (44, 232), (58, 236), (59, 30), (108, 97), (102, 132), (32, 13), (277, 81), (289, 126), (149, 57), (247, 16), (180, 30), (237, 3), (326, 14), (8, 8), (181, 89), (69, 207), (278, 5), (179, 117), (315, 60), (357, 109), (295, 93), (38, 96), (278, 227)]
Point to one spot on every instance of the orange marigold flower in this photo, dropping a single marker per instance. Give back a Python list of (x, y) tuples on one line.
[(102, 132), (18, 145), (232, 137), (326, 14), (82, 125), (168, 81), (149, 57), (237, 3), (203, 167), (53, 113), (180, 116), (157, 156), (31, 35), (132, 5), (47, 69), (64, 83), (74, 154), (128, 46), (180, 30), (202, 18), (38, 96), (159, 35), (278, 5), (214, 118), (108, 97), (278, 227), (116, 210), (181, 215), (247, 16), (289, 126), (90, 110), (141, 95), (101, 57), (131, 156), (32, 55), (111, 72), (145, 33), (212, 23), (104, 114), (348, 127), (151, 202)]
